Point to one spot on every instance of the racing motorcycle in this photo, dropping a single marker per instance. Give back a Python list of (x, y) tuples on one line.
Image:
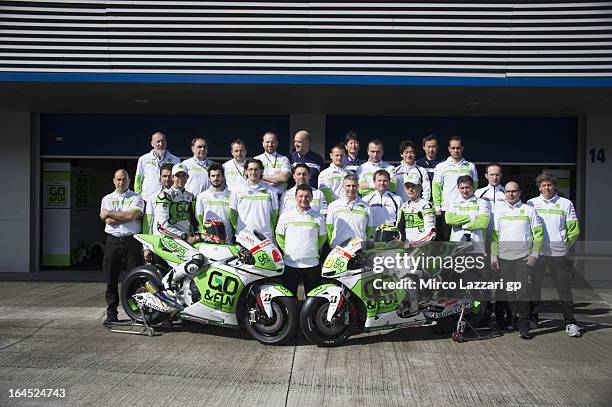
[(239, 286), (354, 299)]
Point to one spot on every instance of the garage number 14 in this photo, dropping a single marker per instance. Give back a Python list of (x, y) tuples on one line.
[(598, 155)]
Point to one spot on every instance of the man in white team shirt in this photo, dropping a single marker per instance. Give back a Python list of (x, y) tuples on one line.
[(146, 182), (330, 179), (561, 230), (214, 203), (515, 245), (198, 167), (494, 194), (348, 217), (301, 175), (300, 234), (444, 185), (384, 205), (468, 216), (376, 149), (255, 205), (408, 169), (165, 177), (277, 169), (233, 169), (121, 211)]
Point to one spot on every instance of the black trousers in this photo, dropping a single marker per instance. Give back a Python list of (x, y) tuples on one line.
[(443, 230), (120, 251), (310, 276), (562, 278), (520, 300)]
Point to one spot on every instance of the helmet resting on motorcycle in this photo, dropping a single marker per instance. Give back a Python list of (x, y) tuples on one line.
[(213, 231), (386, 233)]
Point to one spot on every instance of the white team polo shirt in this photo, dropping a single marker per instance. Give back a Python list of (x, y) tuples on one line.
[(516, 226), (318, 203), (445, 180), (367, 170), (348, 219), (211, 205), (274, 164), (146, 181), (235, 177), (554, 214), (302, 231), (254, 205), (127, 201), (330, 182), (384, 208), (198, 180)]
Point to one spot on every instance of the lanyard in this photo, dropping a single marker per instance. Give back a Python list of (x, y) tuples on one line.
[(238, 169), (275, 159)]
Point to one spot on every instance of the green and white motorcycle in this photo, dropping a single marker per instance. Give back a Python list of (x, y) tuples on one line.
[(237, 285), (359, 297)]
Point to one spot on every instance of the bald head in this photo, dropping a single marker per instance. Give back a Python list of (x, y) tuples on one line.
[(301, 142), (513, 192), (121, 180), (158, 142)]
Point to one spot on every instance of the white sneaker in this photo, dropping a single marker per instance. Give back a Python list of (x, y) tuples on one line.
[(573, 330)]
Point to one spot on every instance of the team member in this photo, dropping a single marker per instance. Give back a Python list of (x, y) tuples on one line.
[(330, 179), (255, 205), (233, 169), (384, 205), (468, 216), (416, 219), (352, 162), (409, 169), (121, 211), (516, 240), (147, 182), (444, 185), (561, 230), (348, 217), (197, 166), (301, 175), (430, 160), (174, 209), (300, 234), (376, 149), (277, 169), (165, 176), (214, 203), (494, 194), (304, 155)]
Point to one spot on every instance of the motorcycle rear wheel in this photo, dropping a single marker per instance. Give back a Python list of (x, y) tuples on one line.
[(134, 283), (316, 328), (277, 330)]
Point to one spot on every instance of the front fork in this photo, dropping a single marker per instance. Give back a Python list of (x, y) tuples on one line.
[(264, 294)]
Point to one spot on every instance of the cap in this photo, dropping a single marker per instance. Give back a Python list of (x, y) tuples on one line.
[(179, 168), (412, 178)]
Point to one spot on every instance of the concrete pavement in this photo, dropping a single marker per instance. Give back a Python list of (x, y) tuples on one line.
[(51, 337)]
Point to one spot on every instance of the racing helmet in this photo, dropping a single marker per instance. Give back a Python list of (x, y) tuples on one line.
[(386, 233), (213, 231)]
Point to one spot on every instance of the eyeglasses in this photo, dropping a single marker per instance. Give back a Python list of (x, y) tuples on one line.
[(513, 191)]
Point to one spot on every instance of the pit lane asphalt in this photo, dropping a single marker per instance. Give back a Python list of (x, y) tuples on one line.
[(51, 337)]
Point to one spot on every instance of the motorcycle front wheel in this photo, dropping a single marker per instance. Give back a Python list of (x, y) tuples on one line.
[(275, 330), (319, 331), (134, 283)]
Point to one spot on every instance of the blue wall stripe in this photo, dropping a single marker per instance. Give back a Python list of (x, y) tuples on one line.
[(602, 82)]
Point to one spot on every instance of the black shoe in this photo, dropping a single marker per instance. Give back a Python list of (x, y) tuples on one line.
[(524, 333), (110, 319)]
